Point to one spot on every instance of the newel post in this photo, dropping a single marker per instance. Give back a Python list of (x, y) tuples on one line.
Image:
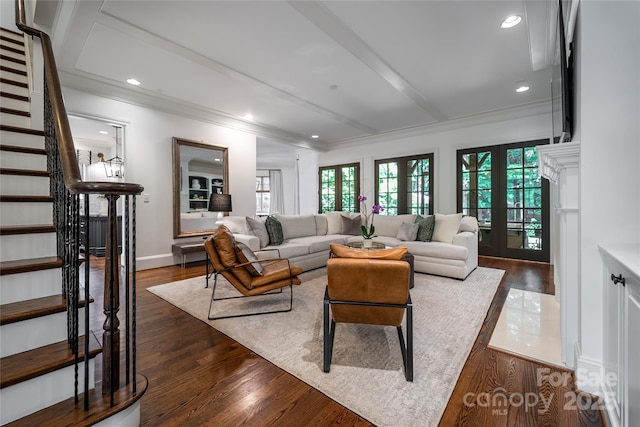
[(111, 334)]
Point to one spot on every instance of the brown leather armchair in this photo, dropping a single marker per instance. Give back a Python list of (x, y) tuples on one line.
[(249, 275), (374, 291)]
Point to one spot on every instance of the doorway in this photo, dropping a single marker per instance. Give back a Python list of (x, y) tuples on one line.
[(501, 187)]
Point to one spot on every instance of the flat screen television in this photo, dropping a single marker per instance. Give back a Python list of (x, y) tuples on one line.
[(561, 86)]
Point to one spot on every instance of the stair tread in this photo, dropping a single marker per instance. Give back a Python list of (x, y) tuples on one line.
[(21, 130), (13, 70), (14, 83), (27, 229), (10, 40), (69, 413), (14, 96), (19, 149), (26, 265), (39, 361), (34, 308), (15, 112), (32, 199), (12, 59), (25, 172)]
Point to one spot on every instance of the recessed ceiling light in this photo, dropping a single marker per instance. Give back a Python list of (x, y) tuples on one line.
[(522, 88), (315, 136), (104, 132), (133, 82), (248, 116), (511, 21)]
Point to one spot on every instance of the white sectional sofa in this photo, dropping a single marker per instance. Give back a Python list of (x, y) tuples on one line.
[(307, 239)]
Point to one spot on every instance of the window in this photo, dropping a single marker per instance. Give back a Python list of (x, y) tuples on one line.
[(501, 187), (263, 196), (404, 185), (339, 188)]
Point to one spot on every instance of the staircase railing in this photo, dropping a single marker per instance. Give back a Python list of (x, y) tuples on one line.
[(69, 191)]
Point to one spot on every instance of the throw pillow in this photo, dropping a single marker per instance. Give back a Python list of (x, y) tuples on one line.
[(351, 226), (334, 223), (446, 227), (425, 227), (259, 229), (225, 244), (274, 229), (245, 254), (407, 232), (342, 251)]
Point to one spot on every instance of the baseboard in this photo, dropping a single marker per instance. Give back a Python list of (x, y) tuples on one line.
[(155, 261), (589, 373)]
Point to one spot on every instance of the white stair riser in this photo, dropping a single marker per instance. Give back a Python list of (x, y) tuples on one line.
[(15, 104), (15, 120), (19, 185), (15, 160), (13, 89), (25, 213), (30, 285), (30, 396), (25, 246), (12, 54), (21, 139), (12, 65), (16, 77), (11, 35), (33, 333)]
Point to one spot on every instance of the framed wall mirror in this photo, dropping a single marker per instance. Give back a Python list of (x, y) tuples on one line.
[(199, 170)]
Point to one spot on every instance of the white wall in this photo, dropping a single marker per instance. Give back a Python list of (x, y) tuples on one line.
[(608, 108), (148, 160), (443, 141)]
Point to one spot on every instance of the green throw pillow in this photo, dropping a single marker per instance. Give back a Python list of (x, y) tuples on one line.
[(274, 229), (425, 227)]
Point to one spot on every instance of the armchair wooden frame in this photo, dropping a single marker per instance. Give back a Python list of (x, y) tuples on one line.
[(405, 348), (268, 289)]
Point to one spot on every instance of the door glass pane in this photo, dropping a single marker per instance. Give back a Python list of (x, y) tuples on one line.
[(514, 158), (349, 188), (388, 187), (327, 190), (418, 186), (476, 191)]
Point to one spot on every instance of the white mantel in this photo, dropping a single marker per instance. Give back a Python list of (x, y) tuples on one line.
[(560, 164)]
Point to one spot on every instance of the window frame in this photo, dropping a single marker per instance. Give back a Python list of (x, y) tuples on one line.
[(261, 178), (402, 180), (338, 185)]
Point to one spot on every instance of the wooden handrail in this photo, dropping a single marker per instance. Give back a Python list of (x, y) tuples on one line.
[(71, 171)]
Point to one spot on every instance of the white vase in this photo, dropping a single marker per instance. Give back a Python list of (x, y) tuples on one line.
[(367, 243)]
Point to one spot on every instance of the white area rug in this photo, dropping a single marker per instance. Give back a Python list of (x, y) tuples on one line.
[(366, 372)]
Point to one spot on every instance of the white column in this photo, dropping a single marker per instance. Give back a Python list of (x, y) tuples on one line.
[(560, 164)]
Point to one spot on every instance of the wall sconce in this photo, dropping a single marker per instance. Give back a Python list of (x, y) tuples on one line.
[(220, 203)]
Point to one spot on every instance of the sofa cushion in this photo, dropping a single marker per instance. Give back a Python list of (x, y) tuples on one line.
[(285, 250), (235, 224), (438, 250), (259, 229), (245, 254), (388, 225), (321, 224), (426, 226), (341, 251), (407, 232), (318, 243), (468, 223), (334, 222), (351, 225), (446, 227), (388, 241), (274, 228), (297, 225)]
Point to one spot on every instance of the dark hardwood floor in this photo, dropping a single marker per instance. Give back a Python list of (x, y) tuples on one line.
[(198, 376)]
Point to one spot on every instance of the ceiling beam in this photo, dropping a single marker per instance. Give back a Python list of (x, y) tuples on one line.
[(326, 21)]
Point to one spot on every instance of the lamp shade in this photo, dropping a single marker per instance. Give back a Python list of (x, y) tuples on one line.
[(220, 203)]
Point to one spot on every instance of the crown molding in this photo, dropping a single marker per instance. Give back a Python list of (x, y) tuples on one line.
[(523, 111), (98, 86)]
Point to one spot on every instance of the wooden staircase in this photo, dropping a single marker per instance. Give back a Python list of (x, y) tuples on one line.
[(37, 365)]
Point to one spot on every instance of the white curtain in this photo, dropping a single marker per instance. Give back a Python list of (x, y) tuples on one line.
[(296, 189), (276, 192)]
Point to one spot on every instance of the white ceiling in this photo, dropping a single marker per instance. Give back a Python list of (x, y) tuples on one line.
[(340, 69)]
